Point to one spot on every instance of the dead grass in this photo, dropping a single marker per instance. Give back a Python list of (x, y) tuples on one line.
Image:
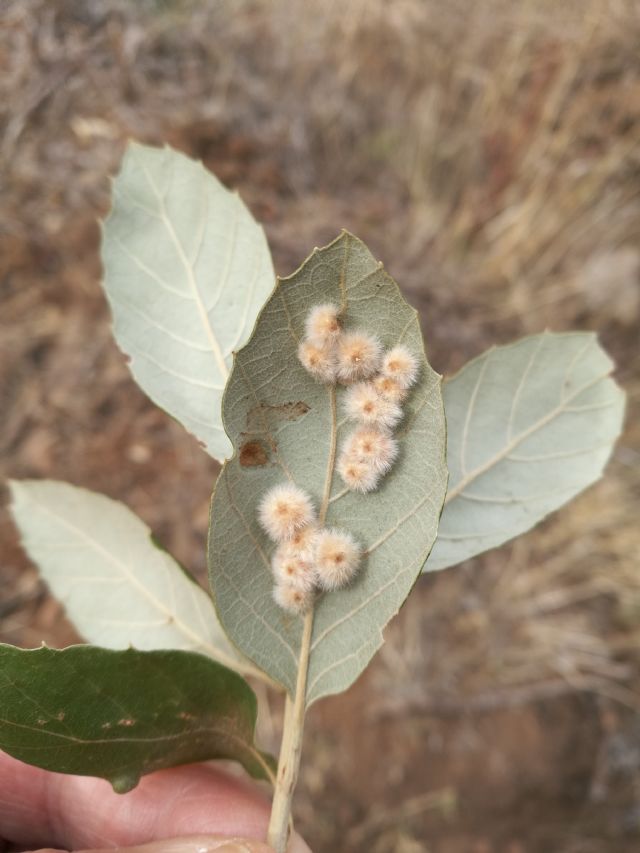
[(490, 154)]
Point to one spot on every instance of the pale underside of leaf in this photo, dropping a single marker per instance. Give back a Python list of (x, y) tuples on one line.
[(530, 425), (121, 714), (186, 271), (119, 589), (270, 399)]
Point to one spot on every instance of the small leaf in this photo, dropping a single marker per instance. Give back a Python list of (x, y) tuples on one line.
[(530, 425), (186, 271), (122, 714), (273, 401), (119, 589)]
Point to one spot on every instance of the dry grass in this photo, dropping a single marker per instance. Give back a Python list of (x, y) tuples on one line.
[(489, 152)]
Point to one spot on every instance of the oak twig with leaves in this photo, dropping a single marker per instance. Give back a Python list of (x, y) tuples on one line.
[(317, 396)]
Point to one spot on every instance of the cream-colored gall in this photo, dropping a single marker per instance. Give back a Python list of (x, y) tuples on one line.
[(319, 361), (283, 510), (337, 558), (400, 364), (292, 599), (358, 356), (363, 403), (322, 325)]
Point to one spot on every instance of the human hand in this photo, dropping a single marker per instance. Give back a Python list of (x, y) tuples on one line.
[(192, 809)]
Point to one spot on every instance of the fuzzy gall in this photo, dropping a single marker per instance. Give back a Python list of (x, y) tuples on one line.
[(283, 510)]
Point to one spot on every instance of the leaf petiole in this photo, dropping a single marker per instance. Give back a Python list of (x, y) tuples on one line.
[(291, 748)]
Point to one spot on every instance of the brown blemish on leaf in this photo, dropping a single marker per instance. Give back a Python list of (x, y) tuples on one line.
[(126, 722), (266, 418), (253, 453)]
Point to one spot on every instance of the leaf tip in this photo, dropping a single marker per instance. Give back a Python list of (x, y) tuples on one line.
[(133, 144), (124, 783)]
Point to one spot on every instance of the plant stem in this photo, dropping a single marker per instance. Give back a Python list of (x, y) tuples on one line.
[(294, 710), (290, 748)]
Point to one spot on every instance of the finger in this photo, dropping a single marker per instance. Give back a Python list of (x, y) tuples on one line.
[(79, 812), (194, 844)]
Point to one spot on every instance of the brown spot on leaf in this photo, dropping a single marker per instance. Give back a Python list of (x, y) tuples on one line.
[(266, 418), (127, 721), (253, 453)]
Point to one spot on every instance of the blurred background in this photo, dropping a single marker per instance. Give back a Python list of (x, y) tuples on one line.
[(489, 153)]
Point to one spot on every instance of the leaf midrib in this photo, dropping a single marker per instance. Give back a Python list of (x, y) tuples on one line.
[(74, 740), (188, 267)]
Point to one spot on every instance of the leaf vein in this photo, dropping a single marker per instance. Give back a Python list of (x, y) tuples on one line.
[(191, 280)]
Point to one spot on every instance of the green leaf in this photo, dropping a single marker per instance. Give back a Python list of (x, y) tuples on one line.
[(529, 426), (186, 271), (119, 589), (272, 403), (121, 714)]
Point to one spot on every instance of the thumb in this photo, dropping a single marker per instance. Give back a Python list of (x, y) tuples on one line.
[(197, 844)]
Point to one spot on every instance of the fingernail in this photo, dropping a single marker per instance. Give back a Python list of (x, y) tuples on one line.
[(234, 847), (222, 845), (225, 845), (195, 844)]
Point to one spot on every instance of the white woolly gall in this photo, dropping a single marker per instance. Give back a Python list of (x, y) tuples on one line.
[(292, 599), (390, 389), (337, 558), (292, 567), (284, 509), (358, 474), (372, 445), (363, 403), (322, 325), (401, 365), (358, 356), (303, 540), (319, 361)]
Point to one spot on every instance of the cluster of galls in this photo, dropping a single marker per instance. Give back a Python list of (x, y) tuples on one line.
[(379, 383), (307, 557), (369, 452)]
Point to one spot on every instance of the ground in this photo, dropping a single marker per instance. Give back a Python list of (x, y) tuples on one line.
[(489, 156)]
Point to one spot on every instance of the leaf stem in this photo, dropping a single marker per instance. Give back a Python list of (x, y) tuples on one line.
[(291, 748), (294, 709)]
